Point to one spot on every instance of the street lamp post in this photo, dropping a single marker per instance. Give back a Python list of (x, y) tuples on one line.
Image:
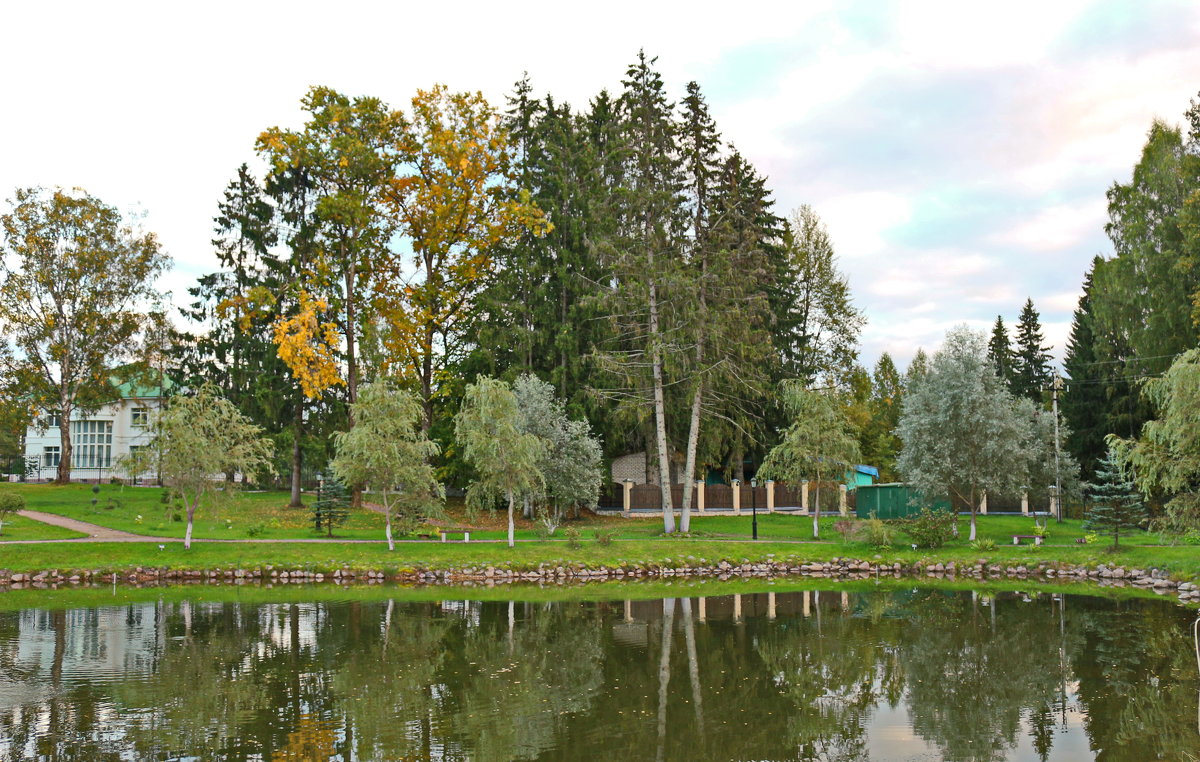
[(754, 508)]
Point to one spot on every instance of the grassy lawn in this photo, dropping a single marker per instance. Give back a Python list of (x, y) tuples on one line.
[(140, 510), (1181, 560), (21, 528)]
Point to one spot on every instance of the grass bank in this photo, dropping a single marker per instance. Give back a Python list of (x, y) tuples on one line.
[(253, 594)]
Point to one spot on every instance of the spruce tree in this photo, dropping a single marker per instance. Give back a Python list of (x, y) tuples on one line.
[(1031, 361), (1000, 351), (1085, 400), (1116, 502)]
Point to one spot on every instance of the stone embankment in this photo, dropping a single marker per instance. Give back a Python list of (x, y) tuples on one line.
[(1155, 580)]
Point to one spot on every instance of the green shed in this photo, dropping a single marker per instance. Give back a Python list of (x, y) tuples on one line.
[(893, 501)]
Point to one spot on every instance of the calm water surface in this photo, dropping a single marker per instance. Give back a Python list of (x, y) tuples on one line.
[(914, 674)]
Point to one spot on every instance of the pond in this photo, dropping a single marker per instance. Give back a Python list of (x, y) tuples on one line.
[(880, 674)]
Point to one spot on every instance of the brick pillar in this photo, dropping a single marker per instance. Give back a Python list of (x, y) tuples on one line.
[(842, 506), (703, 613), (627, 494), (804, 496), (1025, 503), (770, 496), (737, 607), (770, 605), (737, 498), (700, 495), (983, 504)]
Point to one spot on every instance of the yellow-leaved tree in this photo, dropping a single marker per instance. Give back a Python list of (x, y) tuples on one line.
[(457, 201), (309, 346)]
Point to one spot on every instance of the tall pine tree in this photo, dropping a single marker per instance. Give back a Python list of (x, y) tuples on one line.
[(1085, 399)]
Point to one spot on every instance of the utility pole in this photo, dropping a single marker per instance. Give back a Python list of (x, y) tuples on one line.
[(1057, 474)]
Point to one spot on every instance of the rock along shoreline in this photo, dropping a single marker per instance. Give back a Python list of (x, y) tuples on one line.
[(1155, 580)]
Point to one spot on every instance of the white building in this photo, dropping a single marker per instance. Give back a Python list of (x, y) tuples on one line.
[(98, 439)]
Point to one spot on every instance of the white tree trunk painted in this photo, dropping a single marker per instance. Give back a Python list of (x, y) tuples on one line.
[(816, 511), (660, 415), (689, 466)]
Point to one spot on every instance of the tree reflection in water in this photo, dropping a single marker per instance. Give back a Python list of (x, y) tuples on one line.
[(800, 676)]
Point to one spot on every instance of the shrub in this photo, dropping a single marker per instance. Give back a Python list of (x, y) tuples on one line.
[(931, 529), (1192, 537), (605, 536), (572, 535), (10, 502), (255, 530), (983, 543), (846, 528), (876, 532)]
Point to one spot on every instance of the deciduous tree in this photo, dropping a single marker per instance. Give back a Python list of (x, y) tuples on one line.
[(75, 285), (387, 452), (819, 444), (961, 432), (506, 459), (197, 438)]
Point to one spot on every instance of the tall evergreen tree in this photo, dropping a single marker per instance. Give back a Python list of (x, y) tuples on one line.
[(1085, 399), (1000, 351), (881, 445), (1031, 360), (645, 255), (1116, 502)]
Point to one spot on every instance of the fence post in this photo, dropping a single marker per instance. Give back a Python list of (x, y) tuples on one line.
[(627, 491), (842, 510), (737, 498), (983, 504), (1025, 503), (770, 496), (700, 495), (804, 496), (1054, 504)]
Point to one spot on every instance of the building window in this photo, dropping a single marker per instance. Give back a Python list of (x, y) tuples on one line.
[(141, 417), (52, 420), (92, 444), (51, 457)]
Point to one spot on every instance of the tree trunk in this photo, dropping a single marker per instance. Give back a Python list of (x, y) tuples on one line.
[(527, 510), (689, 467), (816, 511), (65, 453), (297, 461), (689, 634), (191, 514), (510, 518), (974, 508), (664, 673), (387, 512), (660, 416)]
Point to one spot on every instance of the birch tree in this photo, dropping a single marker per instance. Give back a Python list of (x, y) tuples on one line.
[(961, 432), (506, 459), (387, 452), (75, 285), (819, 444)]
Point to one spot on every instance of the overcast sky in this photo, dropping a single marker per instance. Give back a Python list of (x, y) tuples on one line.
[(959, 155)]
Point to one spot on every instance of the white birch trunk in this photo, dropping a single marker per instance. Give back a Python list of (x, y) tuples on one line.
[(689, 467), (816, 511)]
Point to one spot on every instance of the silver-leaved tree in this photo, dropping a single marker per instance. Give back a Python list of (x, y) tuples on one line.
[(388, 453), (961, 431), (572, 459)]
